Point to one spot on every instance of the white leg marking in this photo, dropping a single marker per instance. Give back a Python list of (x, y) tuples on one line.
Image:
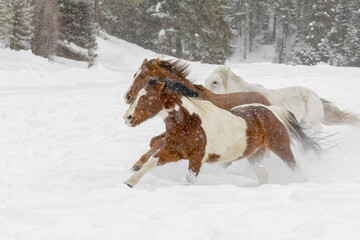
[(260, 171), (297, 170), (134, 179), (190, 177)]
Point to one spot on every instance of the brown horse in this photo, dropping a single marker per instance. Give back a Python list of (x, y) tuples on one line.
[(178, 71), (201, 132)]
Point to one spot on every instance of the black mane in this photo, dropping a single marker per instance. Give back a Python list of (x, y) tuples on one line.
[(181, 89)]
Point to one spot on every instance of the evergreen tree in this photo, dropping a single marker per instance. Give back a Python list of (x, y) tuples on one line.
[(201, 37), (78, 27), (151, 24), (304, 53), (122, 18), (352, 47), (352, 38), (21, 25), (343, 40), (4, 21)]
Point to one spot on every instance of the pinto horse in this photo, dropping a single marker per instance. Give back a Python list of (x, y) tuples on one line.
[(308, 108), (201, 132), (178, 71)]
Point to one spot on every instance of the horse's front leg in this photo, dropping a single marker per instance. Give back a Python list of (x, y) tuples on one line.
[(134, 179), (194, 169), (162, 157), (155, 139), (144, 158)]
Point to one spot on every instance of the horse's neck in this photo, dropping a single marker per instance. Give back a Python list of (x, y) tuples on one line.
[(205, 93), (181, 118), (238, 84)]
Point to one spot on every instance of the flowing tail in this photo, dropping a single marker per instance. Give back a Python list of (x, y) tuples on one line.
[(334, 116), (296, 130)]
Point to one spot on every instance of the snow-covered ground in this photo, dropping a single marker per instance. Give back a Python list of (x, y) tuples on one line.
[(65, 151)]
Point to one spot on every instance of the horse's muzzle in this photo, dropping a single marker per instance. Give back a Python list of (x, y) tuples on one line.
[(130, 121)]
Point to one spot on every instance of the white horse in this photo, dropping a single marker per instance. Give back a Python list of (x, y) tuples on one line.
[(308, 108)]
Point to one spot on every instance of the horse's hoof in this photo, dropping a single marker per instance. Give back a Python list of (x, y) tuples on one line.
[(135, 168), (129, 185)]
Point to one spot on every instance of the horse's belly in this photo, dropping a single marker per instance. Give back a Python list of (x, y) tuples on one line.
[(227, 142)]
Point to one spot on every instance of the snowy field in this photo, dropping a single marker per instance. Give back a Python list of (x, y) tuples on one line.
[(65, 151)]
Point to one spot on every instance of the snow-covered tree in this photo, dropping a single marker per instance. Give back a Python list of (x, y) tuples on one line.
[(343, 43), (352, 47), (4, 21), (122, 18), (304, 53), (78, 27), (21, 29), (198, 30)]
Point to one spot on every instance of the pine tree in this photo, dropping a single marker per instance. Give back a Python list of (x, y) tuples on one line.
[(122, 18), (343, 39), (197, 29), (4, 22), (78, 27), (21, 25), (352, 47), (151, 27), (352, 38), (304, 53)]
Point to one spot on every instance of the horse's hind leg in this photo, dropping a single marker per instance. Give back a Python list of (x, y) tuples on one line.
[(313, 116), (282, 150), (257, 164)]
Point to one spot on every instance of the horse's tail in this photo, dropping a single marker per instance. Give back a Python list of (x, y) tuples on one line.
[(296, 130), (334, 116)]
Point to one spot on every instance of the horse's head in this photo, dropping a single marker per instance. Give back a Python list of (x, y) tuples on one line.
[(217, 80), (158, 69), (155, 97)]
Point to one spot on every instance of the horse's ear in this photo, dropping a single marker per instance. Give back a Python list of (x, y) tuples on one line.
[(224, 69), (145, 63)]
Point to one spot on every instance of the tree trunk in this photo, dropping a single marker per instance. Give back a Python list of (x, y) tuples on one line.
[(245, 38), (97, 12), (274, 28)]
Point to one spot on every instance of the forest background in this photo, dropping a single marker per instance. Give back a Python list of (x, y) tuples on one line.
[(304, 32)]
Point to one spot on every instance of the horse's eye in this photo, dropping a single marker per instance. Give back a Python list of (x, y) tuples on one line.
[(143, 76), (215, 82), (128, 97)]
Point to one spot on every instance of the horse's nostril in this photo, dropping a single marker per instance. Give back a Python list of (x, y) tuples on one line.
[(130, 117)]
